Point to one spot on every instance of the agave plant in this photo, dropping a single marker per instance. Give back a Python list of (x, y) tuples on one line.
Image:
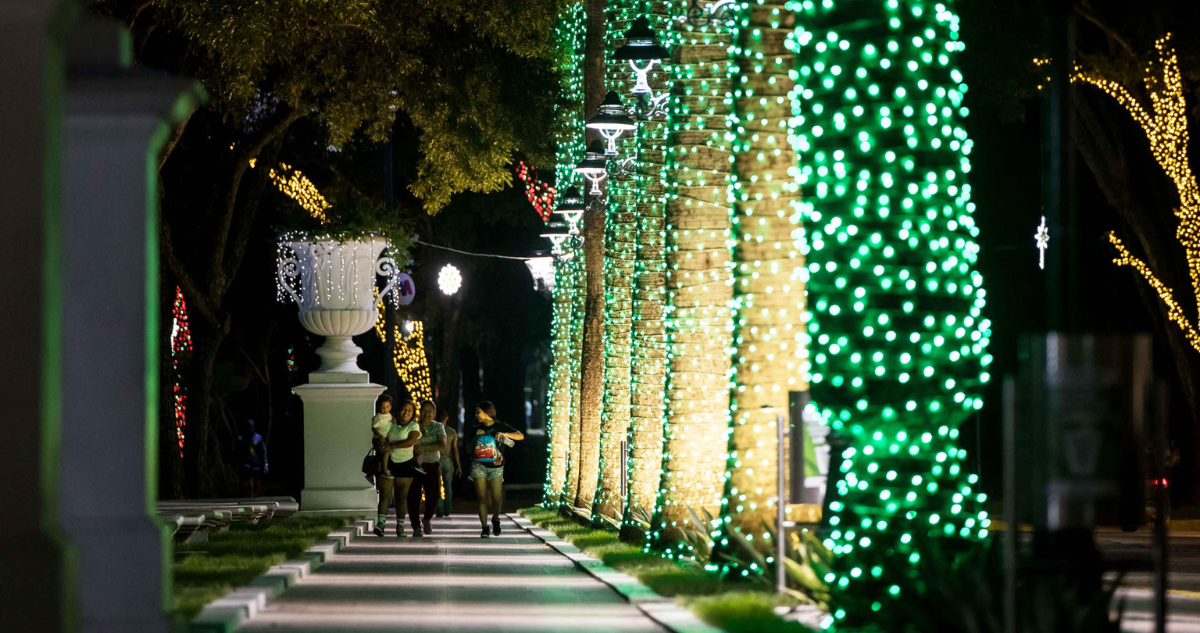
[(806, 562), (697, 537)]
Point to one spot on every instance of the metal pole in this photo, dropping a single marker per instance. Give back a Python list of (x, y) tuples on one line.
[(388, 171), (780, 502), (1010, 505), (1161, 503)]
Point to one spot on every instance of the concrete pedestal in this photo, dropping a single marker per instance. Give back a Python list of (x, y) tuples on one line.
[(337, 435)]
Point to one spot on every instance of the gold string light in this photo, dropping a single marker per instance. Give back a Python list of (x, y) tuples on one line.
[(298, 187), (408, 355), (1174, 310), (1166, 127)]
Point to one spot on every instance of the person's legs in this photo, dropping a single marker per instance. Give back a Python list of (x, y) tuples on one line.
[(401, 491), (496, 501), (413, 499), (444, 503), (384, 485), (481, 493), (433, 489)]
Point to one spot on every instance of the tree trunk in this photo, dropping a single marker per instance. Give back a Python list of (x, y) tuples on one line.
[(198, 447), (170, 465), (206, 277), (577, 309), (648, 346), (592, 370), (620, 250), (1100, 141), (768, 295), (698, 225), (560, 382), (448, 364)]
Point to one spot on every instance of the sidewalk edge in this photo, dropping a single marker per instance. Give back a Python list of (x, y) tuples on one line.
[(227, 613), (666, 612)]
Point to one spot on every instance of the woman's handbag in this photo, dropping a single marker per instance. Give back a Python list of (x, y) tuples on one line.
[(372, 465)]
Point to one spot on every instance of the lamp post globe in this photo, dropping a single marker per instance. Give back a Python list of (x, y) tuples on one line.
[(557, 233), (593, 167), (642, 51), (572, 208), (611, 122)]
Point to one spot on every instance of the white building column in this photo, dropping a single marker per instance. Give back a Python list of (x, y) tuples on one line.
[(116, 119)]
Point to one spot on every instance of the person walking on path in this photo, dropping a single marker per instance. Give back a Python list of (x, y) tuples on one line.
[(429, 450), (253, 461), (449, 465), (397, 438), (487, 470)]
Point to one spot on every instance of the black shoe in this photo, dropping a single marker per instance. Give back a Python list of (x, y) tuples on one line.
[(485, 533), (496, 526), (400, 530), (378, 529), (417, 531)]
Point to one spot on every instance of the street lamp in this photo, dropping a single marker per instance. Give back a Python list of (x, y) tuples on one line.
[(611, 122), (449, 279), (572, 208), (557, 234), (642, 52), (593, 167)]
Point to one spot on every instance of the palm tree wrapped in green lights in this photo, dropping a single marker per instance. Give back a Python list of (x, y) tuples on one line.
[(897, 338)]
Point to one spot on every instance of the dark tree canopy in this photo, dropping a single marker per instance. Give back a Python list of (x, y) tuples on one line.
[(473, 76)]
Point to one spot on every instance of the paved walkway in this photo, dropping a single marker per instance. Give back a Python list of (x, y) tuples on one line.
[(450, 581)]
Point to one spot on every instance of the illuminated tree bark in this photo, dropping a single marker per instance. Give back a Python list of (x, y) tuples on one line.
[(648, 338), (560, 382), (769, 349), (564, 379), (698, 290), (898, 339), (591, 398)]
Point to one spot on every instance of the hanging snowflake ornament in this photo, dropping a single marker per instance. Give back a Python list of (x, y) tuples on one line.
[(1042, 237)]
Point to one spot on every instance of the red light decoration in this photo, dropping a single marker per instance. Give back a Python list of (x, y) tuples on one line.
[(181, 342), (541, 194)]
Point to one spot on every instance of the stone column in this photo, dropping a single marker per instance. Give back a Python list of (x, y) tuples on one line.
[(116, 120), (32, 553)]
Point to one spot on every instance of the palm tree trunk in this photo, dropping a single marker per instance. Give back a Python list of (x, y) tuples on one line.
[(620, 251), (560, 382), (768, 296), (648, 341), (698, 226), (577, 305), (592, 370)]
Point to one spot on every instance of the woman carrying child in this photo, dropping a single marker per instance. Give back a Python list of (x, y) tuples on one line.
[(395, 439)]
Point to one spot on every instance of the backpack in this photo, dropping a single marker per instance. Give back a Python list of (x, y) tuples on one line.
[(485, 448)]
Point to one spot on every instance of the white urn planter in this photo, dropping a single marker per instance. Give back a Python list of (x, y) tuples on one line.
[(334, 284)]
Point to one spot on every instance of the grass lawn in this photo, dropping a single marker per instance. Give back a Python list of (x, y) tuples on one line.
[(206, 571), (737, 607)]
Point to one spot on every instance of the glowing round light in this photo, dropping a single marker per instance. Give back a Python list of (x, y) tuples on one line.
[(449, 279)]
